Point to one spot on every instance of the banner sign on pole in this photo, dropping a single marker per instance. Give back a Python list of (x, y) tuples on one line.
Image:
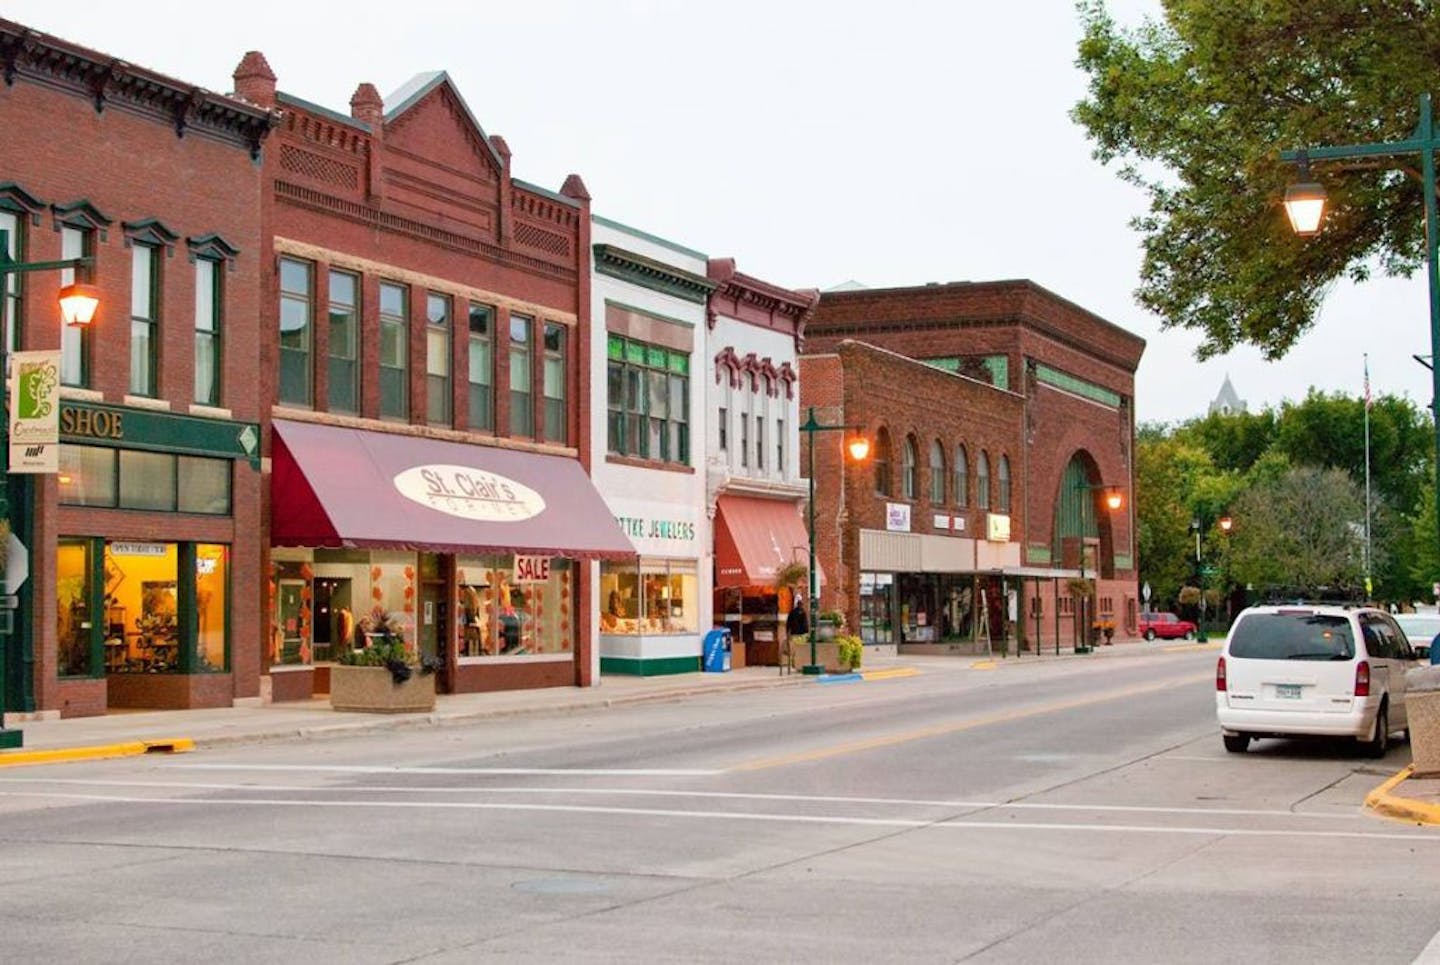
[(35, 412)]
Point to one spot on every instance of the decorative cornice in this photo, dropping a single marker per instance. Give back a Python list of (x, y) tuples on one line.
[(654, 275), (80, 214), (15, 198), (211, 246), (149, 231), (103, 80)]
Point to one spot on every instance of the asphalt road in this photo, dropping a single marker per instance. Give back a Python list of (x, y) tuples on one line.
[(1082, 811)]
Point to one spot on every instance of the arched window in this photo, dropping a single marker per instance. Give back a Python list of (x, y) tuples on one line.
[(982, 481), (962, 478), (907, 468), (882, 462), (937, 473), (1004, 484)]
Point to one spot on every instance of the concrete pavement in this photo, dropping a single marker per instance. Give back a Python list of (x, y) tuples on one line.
[(121, 734)]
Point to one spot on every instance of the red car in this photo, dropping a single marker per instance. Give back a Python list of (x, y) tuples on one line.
[(1167, 626)]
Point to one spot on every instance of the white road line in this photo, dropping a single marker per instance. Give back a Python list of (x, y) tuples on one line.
[(713, 795), (500, 771), (959, 824), (1430, 954)]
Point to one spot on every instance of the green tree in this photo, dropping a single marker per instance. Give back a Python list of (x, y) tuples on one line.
[(1299, 531), (1196, 107)]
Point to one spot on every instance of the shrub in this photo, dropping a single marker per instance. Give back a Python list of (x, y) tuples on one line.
[(851, 651)]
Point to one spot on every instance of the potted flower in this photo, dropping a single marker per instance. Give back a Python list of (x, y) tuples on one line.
[(1105, 627), (384, 675), (828, 624)]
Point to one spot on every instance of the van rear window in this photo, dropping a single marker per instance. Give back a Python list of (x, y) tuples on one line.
[(1292, 636)]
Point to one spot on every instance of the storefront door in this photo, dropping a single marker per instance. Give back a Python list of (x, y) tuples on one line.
[(434, 630)]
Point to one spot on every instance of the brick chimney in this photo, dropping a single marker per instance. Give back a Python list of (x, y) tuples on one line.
[(254, 80), (367, 107)]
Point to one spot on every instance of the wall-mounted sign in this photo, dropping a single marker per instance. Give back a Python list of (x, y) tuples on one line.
[(643, 528), (958, 523), (137, 549), (469, 493), (897, 517), (941, 521), (997, 527), (532, 569), (35, 412)]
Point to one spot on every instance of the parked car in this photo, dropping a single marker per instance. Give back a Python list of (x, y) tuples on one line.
[(1420, 628), (1166, 626), (1321, 669)]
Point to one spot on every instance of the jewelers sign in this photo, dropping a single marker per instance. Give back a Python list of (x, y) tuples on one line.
[(35, 412)]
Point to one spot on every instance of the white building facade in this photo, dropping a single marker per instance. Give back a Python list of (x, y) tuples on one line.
[(649, 439)]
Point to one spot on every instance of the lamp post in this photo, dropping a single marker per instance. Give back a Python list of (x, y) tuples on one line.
[(1114, 499), (859, 448), (77, 307), (1305, 206), (1199, 524)]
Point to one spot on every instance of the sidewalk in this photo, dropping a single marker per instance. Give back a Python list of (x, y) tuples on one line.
[(122, 734)]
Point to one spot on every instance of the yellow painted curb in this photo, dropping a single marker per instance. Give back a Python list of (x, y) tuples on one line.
[(888, 674), (1381, 801), (983, 665), (61, 755)]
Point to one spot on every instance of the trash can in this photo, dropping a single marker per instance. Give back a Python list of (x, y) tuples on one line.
[(1422, 715), (716, 656)]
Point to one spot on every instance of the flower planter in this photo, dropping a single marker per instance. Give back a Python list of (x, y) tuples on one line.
[(373, 690), (827, 655)]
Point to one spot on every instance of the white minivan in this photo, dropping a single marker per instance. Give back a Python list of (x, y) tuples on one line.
[(1322, 669)]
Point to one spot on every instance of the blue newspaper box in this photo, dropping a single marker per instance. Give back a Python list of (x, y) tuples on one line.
[(716, 657)]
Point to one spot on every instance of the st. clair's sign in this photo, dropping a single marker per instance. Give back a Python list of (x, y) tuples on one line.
[(469, 493), (677, 529)]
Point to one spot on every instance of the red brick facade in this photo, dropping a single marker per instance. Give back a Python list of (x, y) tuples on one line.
[(1070, 384), (125, 153), (415, 193)]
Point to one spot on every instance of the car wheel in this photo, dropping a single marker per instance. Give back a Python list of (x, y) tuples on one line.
[(1189, 634), (1236, 743), (1377, 746), (1149, 634)]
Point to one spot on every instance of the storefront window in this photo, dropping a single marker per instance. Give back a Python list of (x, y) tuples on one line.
[(142, 607), (74, 590), (655, 597), (212, 583), (513, 606)]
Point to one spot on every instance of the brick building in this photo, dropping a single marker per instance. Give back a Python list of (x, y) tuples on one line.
[(144, 535), (1000, 415), (426, 364)]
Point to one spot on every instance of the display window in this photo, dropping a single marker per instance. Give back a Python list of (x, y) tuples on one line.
[(137, 607), (515, 605), (653, 596), (324, 602)]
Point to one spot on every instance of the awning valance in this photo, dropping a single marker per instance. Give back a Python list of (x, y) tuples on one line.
[(334, 486)]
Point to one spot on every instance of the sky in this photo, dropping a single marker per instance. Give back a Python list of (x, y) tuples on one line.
[(817, 142)]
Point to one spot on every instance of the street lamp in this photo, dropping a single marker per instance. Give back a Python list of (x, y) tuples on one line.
[(1199, 525), (1114, 498), (77, 307), (1305, 206), (859, 449)]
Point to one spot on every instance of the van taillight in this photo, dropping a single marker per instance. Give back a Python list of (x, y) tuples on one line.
[(1220, 675), (1362, 679)]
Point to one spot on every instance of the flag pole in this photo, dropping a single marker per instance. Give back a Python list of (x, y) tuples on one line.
[(1368, 586)]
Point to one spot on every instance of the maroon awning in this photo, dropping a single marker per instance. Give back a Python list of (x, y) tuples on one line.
[(335, 487)]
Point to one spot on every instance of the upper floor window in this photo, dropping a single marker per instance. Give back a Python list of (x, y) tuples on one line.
[(723, 425), (75, 242), (208, 302), (982, 480), (482, 368), (780, 446), (882, 462), (296, 295), (144, 320), (522, 400), (437, 359), (962, 478), (1003, 484), (344, 343), (556, 418), (744, 439), (907, 467), (10, 223), (649, 401), (937, 473), (394, 351), (760, 442)]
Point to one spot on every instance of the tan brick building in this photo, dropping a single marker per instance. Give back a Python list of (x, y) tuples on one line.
[(1000, 415)]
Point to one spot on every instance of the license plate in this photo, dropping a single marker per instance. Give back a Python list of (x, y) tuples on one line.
[(1288, 691)]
